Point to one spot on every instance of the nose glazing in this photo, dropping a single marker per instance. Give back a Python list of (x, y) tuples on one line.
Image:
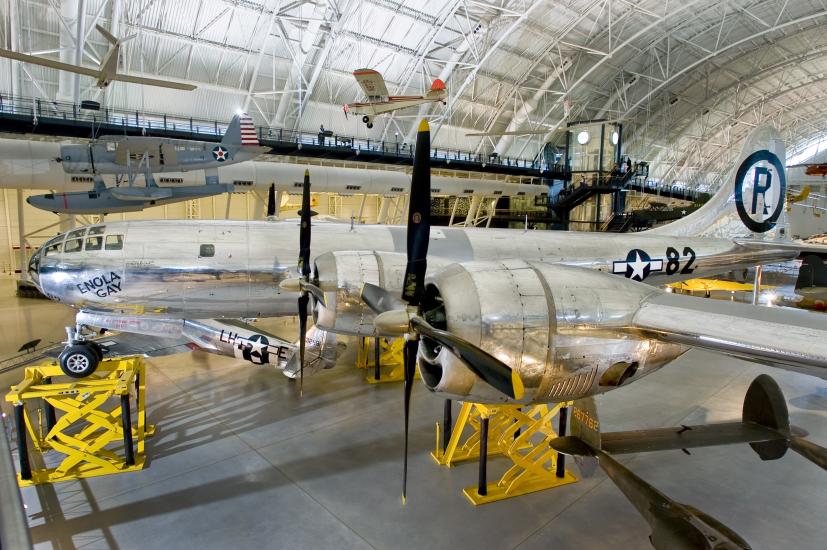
[(34, 267)]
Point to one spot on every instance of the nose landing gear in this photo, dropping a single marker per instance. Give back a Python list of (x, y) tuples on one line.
[(80, 357)]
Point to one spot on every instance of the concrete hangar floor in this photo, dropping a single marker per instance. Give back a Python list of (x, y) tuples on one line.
[(240, 461)]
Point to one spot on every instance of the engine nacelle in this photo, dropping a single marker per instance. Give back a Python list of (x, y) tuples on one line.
[(342, 275), (556, 325)]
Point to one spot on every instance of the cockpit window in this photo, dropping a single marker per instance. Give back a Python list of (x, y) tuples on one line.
[(206, 251), (76, 233), (114, 242), (73, 245), (97, 230), (94, 243), (53, 249)]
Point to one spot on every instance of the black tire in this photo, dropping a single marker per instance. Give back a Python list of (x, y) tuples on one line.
[(366, 119), (97, 348), (370, 125), (78, 361)]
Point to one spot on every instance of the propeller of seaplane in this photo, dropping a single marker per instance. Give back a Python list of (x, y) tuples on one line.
[(398, 319)]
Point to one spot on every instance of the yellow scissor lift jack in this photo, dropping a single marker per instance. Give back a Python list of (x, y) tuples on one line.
[(95, 438), (520, 433), (387, 361)]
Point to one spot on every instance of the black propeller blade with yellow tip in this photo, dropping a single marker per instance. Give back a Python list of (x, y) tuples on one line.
[(304, 270), (394, 318)]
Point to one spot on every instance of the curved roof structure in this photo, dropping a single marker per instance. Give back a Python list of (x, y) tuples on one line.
[(687, 79)]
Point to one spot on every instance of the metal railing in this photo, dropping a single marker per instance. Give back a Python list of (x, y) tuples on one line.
[(109, 119)]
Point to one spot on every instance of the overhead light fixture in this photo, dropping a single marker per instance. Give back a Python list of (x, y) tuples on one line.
[(615, 138), (583, 137)]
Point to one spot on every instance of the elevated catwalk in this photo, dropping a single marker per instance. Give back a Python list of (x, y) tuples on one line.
[(238, 460)]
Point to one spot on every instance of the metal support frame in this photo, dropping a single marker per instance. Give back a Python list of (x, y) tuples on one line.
[(93, 439), (520, 433)]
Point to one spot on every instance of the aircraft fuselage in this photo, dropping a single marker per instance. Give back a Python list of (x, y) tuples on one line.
[(232, 269)]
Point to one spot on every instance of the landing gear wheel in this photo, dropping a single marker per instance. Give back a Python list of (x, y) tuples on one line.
[(79, 360), (370, 125), (97, 348), (366, 119)]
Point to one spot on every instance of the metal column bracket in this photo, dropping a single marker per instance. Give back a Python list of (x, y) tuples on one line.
[(390, 360), (519, 433), (95, 438)]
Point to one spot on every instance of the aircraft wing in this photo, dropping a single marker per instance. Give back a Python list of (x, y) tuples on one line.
[(371, 82), (49, 63), (154, 82), (787, 338)]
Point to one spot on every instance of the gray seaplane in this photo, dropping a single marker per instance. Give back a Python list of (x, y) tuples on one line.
[(132, 158)]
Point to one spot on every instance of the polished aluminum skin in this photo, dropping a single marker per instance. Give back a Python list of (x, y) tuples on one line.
[(203, 269), (557, 326)]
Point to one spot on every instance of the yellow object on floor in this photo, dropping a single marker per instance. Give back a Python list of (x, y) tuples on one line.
[(521, 434), (391, 360), (90, 433)]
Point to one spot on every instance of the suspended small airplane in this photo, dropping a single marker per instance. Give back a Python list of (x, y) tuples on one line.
[(107, 71), (765, 426), (380, 101), (129, 157), (812, 169)]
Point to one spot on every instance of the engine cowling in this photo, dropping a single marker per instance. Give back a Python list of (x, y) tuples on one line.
[(342, 275), (556, 325)]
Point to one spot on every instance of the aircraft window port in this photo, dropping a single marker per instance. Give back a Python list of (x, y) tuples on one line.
[(76, 233), (206, 251), (73, 245), (97, 230), (53, 249), (353, 187), (49, 196), (94, 243), (114, 242), (397, 189), (435, 190), (468, 191)]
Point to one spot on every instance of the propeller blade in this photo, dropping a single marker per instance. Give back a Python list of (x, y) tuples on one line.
[(304, 232), (304, 299), (493, 371), (380, 300), (271, 201), (409, 361), (419, 218)]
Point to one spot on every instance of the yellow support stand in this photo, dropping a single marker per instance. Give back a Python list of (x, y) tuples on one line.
[(521, 434), (391, 361), (95, 438)]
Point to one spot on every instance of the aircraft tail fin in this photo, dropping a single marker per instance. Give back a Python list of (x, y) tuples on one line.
[(765, 405), (241, 131), (106, 34), (751, 199), (812, 272)]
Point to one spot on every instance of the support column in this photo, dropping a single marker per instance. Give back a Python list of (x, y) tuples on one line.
[(384, 204), (491, 212), (279, 194), (23, 258), (362, 207), (476, 200), (453, 211), (14, 43), (756, 285), (482, 486)]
